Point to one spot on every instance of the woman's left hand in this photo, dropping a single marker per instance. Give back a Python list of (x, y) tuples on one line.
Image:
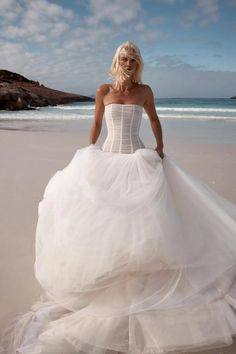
[(159, 150)]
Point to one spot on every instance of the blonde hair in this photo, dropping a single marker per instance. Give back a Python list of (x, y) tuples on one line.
[(117, 72)]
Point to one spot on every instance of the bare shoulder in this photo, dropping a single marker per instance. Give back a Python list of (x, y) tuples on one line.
[(148, 90), (103, 89), (149, 96), (101, 92)]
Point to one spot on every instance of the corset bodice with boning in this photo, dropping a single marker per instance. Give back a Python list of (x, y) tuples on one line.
[(123, 123)]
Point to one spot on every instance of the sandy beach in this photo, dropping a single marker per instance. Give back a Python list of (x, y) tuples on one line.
[(31, 152)]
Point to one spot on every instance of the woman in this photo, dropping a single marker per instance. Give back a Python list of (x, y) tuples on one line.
[(134, 254), (126, 72)]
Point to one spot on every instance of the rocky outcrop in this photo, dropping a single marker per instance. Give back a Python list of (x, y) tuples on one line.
[(18, 92), (233, 98)]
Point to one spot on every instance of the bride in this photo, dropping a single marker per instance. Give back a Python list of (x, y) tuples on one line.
[(134, 254), (129, 93)]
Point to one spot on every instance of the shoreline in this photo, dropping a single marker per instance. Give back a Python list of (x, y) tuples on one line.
[(205, 109)]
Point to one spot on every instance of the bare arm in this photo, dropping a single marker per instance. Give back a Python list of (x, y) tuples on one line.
[(149, 107), (98, 115)]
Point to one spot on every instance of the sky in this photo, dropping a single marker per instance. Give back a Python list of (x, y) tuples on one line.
[(188, 46)]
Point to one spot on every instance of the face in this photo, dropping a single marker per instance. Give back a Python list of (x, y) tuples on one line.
[(129, 64)]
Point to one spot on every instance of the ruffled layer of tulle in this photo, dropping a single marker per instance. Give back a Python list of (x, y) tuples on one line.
[(135, 256)]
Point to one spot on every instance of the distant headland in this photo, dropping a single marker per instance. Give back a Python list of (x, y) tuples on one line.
[(17, 93)]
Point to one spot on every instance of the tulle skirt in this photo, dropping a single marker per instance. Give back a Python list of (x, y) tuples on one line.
[(135, 255)]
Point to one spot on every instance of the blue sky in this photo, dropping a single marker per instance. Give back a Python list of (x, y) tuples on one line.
[(188, 46)]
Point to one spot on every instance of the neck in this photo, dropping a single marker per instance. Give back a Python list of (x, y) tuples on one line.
[(126, 85)]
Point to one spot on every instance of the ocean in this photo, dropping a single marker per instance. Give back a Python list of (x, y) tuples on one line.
[(167, 108)]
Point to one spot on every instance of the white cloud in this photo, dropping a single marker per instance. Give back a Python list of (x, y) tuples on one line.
[(10, 10), (50, 10), (190, 83), (168, 61), (17, 58), (168, 2), (157, 20), (204, 12), (65, 48), (117, 12), (82, 74), (152, 36), (90, 39), (71, 53), (171, 62), (35, 21), (209, 11)]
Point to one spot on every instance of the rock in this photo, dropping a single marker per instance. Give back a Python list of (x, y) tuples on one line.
[(18, 92), (233, 98)]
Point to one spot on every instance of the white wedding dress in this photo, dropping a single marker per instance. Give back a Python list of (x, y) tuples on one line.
[(135, 255)]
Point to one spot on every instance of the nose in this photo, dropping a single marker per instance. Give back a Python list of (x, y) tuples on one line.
[(129, 62)]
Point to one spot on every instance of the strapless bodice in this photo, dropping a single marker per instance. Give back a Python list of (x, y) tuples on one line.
[(123, 123)]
